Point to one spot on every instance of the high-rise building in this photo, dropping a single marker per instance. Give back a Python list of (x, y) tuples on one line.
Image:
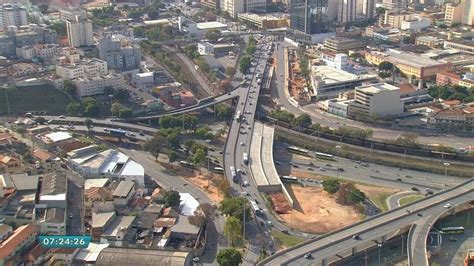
[(468, 16), (12, 15), (233, 7), (119, 55), (394, 4), (368, 8), (256, 6), (347, 11), (309, 16), (380, 99), (462, 12), (79, 32)]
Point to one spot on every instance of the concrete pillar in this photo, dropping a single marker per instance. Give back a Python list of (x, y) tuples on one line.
[(354, 251), (384, 238), (324, 262)]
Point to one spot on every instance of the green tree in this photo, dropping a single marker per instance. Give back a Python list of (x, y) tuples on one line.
[(172, 156), (203, 65), (91, 106), (283, 115), (235, 207), (385, 66), (153, 12), (199, 157), (115, 108), (154, 145), (70, 88), (121, 95), (356, 196), (88, 123), (172, 198), (331, 185), (223, 111), (59, 28), (204, 133), (74, 108), (229, 257), (230, 71), (43, 8), (233, 229), (225, 85), (125, 112), (173, 141), (303, 120), (244, 64), (380, 10), (213, 35), (251, 49)]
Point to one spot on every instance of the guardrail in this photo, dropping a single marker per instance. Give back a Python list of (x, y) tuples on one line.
[(268, 259), (409, 239)]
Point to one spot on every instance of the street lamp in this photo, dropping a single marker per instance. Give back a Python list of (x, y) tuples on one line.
[(338, 147), (380, 246), (445, 173)]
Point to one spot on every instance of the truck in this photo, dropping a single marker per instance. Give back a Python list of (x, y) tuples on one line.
[(117, 132), (238, 115), (246, 158), (234, 175)]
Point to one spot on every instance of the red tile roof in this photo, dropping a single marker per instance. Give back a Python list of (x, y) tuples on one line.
[(16, 239)]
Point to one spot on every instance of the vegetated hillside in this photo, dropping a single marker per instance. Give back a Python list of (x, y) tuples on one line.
[(33, 98)]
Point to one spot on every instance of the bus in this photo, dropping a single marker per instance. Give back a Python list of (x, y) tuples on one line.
[(324, 155), (238, 115), (118, 132), (219, 170), (234, 174), (289, 179), (452, 230), (186, 164), (255, 207), (246, 158), (294, 149)]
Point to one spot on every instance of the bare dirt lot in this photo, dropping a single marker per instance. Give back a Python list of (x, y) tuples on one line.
[(212, 190), (317, 212)]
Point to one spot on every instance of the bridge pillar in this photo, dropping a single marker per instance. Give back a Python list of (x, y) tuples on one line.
[(149, 122), (384, 238), (324, 262), (354, 251)]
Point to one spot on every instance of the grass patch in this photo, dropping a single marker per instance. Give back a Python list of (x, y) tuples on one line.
[(286, 240), (33, 98), (380, 200), (409, 199)]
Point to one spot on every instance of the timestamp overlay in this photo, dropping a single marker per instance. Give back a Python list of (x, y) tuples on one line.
[(64, 241)]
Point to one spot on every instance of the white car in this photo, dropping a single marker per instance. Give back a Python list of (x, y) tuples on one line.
[(245, 183), (242, 144), (447, 205)]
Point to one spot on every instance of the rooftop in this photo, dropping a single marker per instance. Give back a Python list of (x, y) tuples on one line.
[(183, 226), (54, 215), (331, 75), (125, 257), (58, 136), (54, 183), (11, 244), (210, 25), (411, 59), (188, 204), (95, 182), (123, 189), (376, 88), (25, 182), (120, 223), (101, 219)]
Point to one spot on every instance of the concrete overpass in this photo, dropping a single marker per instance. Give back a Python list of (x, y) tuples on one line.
[(341, 243)]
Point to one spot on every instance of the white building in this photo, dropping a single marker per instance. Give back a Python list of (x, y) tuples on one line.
[(109, 163), (89, 86), (53, 222), (329, 81), (43, 51), (79, 32), (338, 107), (83, 68), (200, 29), (143, 80), (12, 15), (233, 7), (347, 11), (415, 24), (123, 193), (380, 99)]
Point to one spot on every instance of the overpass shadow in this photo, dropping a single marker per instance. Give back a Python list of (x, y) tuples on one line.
[(296, 203)]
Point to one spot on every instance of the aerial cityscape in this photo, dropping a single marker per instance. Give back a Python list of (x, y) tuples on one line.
[(237, 132)]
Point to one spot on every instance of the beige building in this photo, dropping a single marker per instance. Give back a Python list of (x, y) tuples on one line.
[(233, 7), (462, 13), (464, 46), (380, 99), (410, 64), (79, 32), (342, 45), (429, 41), (266, 21), (395, 19)]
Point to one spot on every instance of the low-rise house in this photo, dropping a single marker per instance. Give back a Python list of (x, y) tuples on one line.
[(116, 233), (53, 221), (454, 119), (11, 164), (123, 193), (184, 230), (99, 222), (50, 140), (22, 238), (5, 232)]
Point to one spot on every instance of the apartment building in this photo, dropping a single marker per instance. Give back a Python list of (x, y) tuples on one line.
[(395, 19), (23, 237), (256, 6), (380, 99), (90, 86), (454, 119), (92, 67), (119, 54), (266, 21), (429, 41), (410, 64), (79, 32), (347, 11), (12, 15), (461, 45), (233, 7), (44, 51), (342, 45)]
